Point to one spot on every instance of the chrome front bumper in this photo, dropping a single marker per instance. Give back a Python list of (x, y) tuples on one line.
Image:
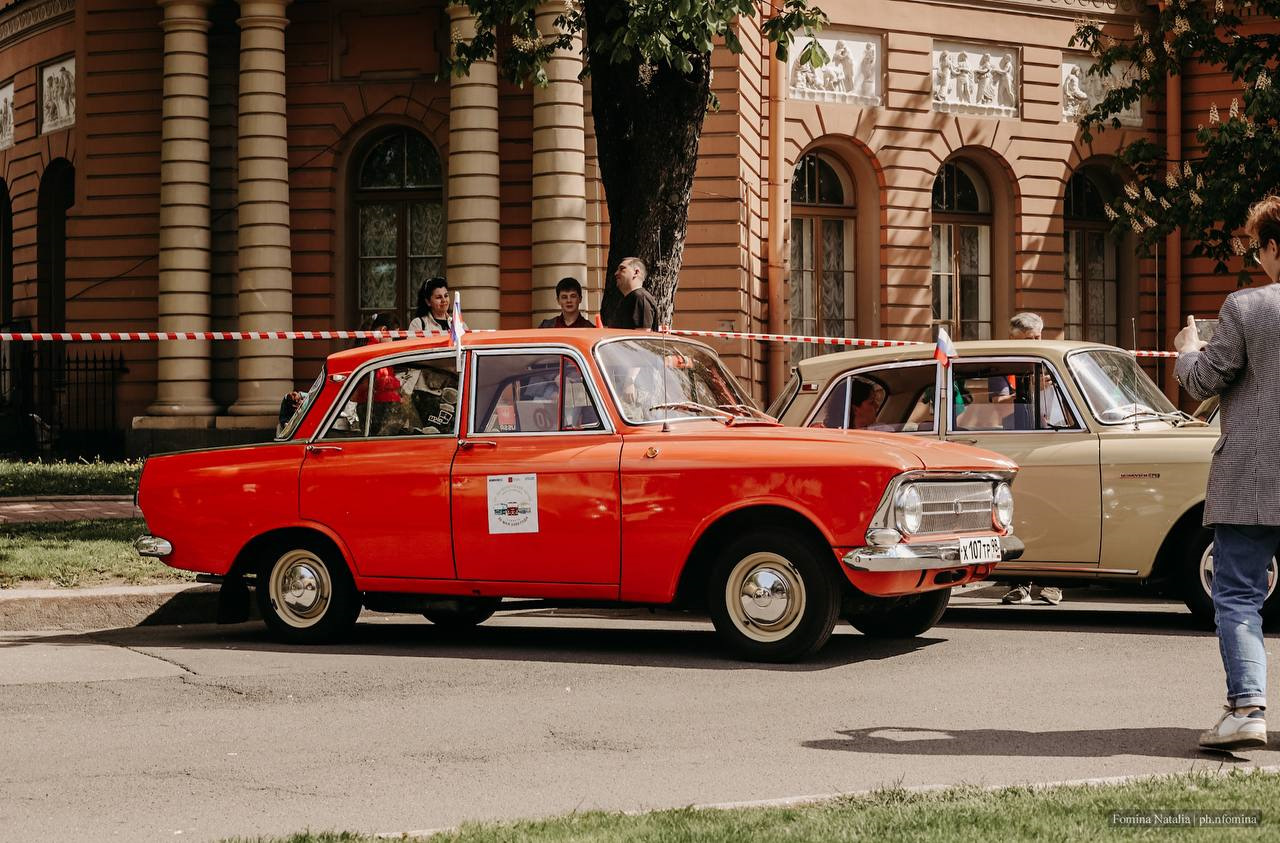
[(152, 546), (917, 557)]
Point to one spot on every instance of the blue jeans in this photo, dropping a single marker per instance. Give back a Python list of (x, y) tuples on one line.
[(1241, 558)]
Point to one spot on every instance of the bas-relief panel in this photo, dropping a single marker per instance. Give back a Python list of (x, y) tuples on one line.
[(6, 115), (57, 95), (853, 73), (975, 79), (1081, 91)]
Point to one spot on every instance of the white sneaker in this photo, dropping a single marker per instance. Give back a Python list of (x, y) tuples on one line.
[(1236, 732)]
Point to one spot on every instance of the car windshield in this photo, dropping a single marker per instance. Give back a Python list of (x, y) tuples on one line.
[(656, 380), (1117, 388), (287, 427)]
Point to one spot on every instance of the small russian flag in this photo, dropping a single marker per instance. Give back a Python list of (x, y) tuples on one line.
[(457, 328), (945, 349)]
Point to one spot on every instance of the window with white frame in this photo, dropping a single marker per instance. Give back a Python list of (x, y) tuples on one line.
[(821, 288), (961, 252)]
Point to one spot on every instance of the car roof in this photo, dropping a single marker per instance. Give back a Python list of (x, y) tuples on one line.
[(825, 365), (581, 338)]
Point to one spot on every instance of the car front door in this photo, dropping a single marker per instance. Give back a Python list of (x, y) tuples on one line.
[(377, 473), (1019, 407), (535, 486)]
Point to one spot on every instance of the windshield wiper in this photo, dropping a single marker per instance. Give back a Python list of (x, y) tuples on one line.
[(694, 406), (748, 413)]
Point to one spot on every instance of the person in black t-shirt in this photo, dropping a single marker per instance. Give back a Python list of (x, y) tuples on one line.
[(569, 296), (638, 308)]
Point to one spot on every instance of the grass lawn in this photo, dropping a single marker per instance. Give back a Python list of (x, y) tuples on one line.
[(1003, 816), (23, 479), (78, 553)]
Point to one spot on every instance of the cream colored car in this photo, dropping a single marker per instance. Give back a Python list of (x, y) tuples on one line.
[(1112, 476)]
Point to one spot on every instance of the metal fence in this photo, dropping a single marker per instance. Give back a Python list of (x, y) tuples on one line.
[(59, 401)]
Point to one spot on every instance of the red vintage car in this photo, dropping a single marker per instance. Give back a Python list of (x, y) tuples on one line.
[(577, 467)]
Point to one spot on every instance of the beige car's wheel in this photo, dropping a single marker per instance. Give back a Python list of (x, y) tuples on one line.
[(1197, 579), (773, 596), (306, 596)]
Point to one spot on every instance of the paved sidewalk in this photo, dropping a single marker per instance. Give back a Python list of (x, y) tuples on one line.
[(67, 508)]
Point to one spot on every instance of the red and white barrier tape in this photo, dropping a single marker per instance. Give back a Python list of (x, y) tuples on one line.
[(167, 336)]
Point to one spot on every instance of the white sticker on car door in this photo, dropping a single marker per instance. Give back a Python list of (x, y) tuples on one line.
[(513, 503)]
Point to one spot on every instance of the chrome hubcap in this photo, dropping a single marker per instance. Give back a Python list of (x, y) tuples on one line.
[(300, 588), (765, 596), (1206, 572)]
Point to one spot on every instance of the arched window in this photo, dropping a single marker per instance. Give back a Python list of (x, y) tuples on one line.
[(961, 252), (57, 195), (399, 223), (821, 287), (6, 255), (1089, 262)]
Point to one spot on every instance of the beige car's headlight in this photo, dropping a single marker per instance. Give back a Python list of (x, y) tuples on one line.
[(908, 509), (1002, 506)]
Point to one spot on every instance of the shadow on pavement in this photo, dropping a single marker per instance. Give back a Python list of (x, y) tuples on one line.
[(1060, 619), (1160, 742), (686, 648)]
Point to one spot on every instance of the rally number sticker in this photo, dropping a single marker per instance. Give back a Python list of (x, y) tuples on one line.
[(513, 503)]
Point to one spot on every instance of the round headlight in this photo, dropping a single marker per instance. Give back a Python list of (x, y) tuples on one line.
[(908, 509), (1002, 506)]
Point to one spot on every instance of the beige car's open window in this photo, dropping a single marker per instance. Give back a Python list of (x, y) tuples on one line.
[(1009, 396), (897, 398)]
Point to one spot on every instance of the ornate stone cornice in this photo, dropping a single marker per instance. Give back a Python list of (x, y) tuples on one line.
[(23, 19), (1059, 8)]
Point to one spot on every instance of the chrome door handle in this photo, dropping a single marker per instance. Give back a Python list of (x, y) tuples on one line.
[(337, 449), (965, 441), (468, 444)]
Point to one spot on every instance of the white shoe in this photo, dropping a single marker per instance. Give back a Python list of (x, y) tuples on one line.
[(1236, 732)]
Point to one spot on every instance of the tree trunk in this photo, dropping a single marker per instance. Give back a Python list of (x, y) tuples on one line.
[(648, 120)]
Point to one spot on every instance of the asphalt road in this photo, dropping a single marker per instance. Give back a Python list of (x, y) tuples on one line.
[(201, 732)]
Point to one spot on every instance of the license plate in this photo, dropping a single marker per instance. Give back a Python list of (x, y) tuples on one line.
[(979, 551)]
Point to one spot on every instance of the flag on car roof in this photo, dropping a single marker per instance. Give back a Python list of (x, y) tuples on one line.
[(456, 328), (945, 349)]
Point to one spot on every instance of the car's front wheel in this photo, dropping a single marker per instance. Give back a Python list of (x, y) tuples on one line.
[(902, 617), (306, 595), (773, 595), (462, 613), (1196, 579)]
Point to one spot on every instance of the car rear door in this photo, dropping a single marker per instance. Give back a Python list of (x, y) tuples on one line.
[(535, 485), (1020, 407)]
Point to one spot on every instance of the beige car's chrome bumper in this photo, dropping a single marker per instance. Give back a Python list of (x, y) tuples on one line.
[(917, 557)]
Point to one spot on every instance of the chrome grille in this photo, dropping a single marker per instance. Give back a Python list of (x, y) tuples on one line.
[(955, 507)]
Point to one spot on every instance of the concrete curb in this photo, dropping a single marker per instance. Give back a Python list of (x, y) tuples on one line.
[(81, 609)]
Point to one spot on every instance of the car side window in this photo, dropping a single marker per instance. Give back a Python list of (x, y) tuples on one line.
[(418, 398), (1009, 395), (898, 399), (532, 393)]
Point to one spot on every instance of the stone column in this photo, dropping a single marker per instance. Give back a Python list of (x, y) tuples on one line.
[(473, 250), (559, 172), (264, 276), (183, 303)]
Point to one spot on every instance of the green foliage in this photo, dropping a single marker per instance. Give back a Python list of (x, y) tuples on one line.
[(1009, 815), (655, 33), (1208, 193), (25, 479)]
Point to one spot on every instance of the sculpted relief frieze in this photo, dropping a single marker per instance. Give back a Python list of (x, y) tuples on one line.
[(973, 79), (853, 73), (1081, 90)]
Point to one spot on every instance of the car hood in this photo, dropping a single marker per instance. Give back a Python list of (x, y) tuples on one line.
[(899, 451)]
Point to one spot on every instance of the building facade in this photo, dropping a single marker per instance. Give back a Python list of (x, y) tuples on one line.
[(271, 165)]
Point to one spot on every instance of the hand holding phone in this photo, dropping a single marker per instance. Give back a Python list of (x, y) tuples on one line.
[(1188, 339)]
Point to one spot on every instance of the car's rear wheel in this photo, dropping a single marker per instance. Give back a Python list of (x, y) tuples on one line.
[(773, 597), (462, 613), (306, 595), (902, 617), (1196, 579)]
